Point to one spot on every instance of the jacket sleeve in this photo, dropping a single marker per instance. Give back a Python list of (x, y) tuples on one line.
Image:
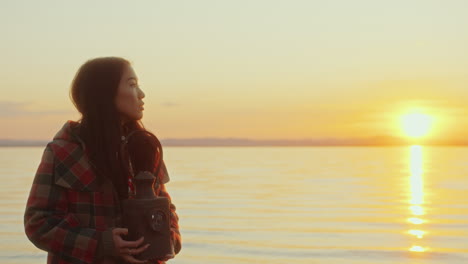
[(176, 238), (49, 226)]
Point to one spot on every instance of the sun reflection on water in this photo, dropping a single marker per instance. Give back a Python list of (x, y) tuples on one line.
[(416, 210), (417, 233), (415, 220), (416, 195), (417, 249)]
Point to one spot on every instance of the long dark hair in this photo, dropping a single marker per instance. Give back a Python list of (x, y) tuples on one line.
[(144, 151), (93, 93)]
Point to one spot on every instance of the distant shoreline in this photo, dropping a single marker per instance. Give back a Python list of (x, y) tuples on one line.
[(240, 142)]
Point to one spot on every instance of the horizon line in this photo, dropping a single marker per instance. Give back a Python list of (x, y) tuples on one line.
[(239, 142)]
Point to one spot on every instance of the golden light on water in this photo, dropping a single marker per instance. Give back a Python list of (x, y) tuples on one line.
[(417, 249), (416, 179), (416, 200), (417, 233), (416, 210), (416, 221)]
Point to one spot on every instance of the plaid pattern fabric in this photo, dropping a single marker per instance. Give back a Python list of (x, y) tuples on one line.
[(67, 210), (176, 238)]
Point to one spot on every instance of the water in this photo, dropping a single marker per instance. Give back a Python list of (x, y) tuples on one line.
[(291, 205)]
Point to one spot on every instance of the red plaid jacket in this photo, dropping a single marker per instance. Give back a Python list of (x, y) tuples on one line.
[(68, 212)]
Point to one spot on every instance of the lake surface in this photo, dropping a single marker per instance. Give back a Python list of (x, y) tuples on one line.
[(298, 205)]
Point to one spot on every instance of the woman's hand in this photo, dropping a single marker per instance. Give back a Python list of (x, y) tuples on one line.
[(126, 249)]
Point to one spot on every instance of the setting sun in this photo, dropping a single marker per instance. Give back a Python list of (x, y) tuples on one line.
[(416, 124)]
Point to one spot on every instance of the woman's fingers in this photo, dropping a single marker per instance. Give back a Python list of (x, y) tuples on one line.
[(120, 231), (120, 243), (128, 248), (131, 244), (136, 251)]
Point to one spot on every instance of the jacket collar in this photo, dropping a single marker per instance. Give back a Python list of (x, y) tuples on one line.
[(70, 132), (72, 167)]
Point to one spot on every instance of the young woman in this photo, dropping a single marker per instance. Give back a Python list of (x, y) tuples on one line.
[(74, 207)]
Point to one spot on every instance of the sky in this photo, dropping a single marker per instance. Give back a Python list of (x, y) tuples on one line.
[(244, 69)]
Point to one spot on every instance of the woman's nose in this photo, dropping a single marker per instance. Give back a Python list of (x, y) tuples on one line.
[(141, 94)]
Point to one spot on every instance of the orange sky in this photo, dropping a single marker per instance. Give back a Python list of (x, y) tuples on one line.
[(256, 69)]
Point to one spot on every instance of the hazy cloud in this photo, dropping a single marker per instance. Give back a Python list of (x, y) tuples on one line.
[(19, 109)]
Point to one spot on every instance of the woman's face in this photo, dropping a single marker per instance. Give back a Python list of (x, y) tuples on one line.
[(129, 96)]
